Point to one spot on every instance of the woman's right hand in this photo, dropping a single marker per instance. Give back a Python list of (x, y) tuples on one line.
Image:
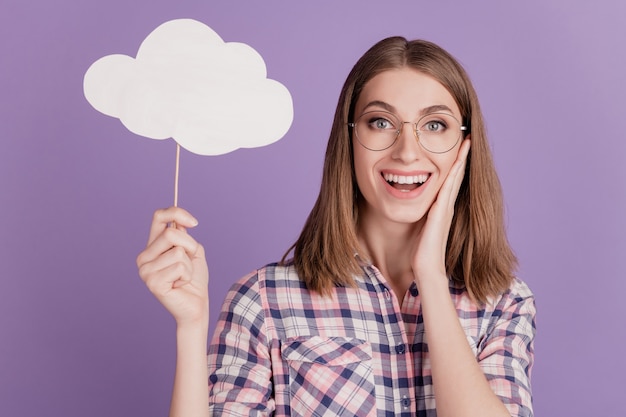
[(174, 268)]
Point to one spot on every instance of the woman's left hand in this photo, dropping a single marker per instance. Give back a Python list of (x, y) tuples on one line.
[(429, 256)]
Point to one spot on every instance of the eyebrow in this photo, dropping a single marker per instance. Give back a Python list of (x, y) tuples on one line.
[(388, 107)]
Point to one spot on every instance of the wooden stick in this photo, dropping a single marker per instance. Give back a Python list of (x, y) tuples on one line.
[(176, 176), (173, 224)]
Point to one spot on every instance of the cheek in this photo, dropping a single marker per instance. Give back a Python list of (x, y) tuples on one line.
[(445, 170), (444, 165), (359, 169), (363, 168), (446, 161)]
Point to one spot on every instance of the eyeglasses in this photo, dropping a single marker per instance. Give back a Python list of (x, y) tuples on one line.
[(435, 132)]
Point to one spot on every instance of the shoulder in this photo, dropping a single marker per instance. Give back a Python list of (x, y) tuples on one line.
[(266, 282), (517, 296), (519, 289), (513, 308), (517, 292), (514, 312), (271, 275)]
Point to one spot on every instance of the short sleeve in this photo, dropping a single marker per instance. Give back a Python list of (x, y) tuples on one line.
[(506, 353), (239, 362)]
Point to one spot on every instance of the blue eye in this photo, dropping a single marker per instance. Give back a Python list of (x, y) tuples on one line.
[(380, 123), (434, 126)]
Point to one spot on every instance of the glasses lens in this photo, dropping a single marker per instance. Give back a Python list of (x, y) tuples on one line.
[(438, 132), (377, 130)]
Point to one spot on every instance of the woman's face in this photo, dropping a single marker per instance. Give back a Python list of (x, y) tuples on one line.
[(400, 183)]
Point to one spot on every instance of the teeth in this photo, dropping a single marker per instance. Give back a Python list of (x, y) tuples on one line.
[(403, 179)]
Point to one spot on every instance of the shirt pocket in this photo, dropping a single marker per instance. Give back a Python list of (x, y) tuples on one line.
[(330, 376)]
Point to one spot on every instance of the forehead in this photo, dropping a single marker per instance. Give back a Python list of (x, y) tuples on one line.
[(407, 91)]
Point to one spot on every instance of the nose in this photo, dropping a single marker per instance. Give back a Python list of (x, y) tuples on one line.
[(407, 148)]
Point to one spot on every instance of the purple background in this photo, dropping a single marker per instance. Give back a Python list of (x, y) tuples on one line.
[(81, 335)]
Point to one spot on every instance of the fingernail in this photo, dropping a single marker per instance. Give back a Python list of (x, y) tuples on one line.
[(194, 222)]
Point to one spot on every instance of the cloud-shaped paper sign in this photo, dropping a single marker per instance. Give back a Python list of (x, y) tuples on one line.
[(186, 83)]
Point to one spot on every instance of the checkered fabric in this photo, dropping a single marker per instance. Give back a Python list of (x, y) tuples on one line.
[(281, 350)]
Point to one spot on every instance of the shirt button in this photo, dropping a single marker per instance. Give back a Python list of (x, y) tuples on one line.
[(406, 402), (400, 349), (387, 294)]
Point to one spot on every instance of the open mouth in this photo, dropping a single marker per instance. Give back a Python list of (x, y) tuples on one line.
[(405, 182)]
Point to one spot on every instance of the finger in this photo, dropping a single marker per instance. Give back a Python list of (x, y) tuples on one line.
[(451, 186), (163, 217), (175, 256), (169, 238), (462, 163), (180, 283), (161, 281)]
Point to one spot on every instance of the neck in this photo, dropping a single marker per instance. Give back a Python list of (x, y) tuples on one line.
[(389, 246)]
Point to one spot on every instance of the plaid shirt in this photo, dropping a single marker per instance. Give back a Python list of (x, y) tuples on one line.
[(282, 350)]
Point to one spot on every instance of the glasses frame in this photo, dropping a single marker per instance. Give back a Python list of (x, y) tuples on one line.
[(416, 131)]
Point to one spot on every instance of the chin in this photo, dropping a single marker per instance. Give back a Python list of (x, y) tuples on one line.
[(407, 216)]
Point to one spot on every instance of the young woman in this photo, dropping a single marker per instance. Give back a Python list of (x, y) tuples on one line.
[(400, 298)]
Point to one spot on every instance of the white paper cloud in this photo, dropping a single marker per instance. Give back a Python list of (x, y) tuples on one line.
[(186, 83)]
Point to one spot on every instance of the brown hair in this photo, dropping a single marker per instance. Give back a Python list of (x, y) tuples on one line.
[(478, 253)]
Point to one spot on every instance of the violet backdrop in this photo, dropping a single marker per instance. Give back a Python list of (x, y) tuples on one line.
[(82, 336)]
